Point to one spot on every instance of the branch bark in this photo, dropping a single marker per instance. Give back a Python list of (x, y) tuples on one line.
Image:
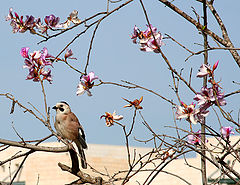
[(203, 130), (200, 27), (34, 147)]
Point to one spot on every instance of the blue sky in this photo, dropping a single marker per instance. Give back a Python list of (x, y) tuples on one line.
[(114, 58)]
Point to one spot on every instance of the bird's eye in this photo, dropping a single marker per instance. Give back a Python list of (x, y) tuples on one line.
[(61, 105), (61, 109)]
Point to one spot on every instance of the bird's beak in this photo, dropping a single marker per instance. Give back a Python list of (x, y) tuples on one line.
[(54, 107)]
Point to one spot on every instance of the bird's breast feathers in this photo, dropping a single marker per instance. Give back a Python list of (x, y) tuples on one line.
[(67, 126)]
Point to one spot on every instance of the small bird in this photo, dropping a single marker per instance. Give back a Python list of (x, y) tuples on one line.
[(68, 127)]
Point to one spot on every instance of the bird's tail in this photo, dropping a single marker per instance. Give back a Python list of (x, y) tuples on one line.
[(75, 162), (82, 155)]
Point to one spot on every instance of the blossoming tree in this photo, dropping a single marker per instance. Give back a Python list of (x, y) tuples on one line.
[(211, 96)]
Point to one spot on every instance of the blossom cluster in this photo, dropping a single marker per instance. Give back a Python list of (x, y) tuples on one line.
[(212, 95), (206, 98), (21, 25), (36, 62), (195, 138), (111, 118), (192, 114), (149, 40)]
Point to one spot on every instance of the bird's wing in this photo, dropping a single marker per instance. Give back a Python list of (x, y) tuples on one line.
[(81, 137)]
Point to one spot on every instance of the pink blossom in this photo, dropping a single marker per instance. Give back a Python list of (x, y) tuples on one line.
[(73, 17), (45, 57), (28, 64), (52, 21), (215, 65), (24, 52), (35, 55), (35, 62), (135, 34), (195, 138), (86, 83), (40, 26), (46, 74), (18, 24), (10, 15), (202, 113), (219, 97), (148, 30), (151, 44), (207, 97), (33, 74), (21, 25), (146, 40), (82, 88), (205, 70), (29, 22), (89, 78), (188, 112), (226, 131)]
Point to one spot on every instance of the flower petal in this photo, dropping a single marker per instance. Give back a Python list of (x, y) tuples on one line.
[(92, 76), (24, 52), (80, 89), (192, 119)]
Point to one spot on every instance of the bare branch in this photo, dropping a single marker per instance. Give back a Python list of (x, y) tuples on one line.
[(201, 28), (84, 177), (34, 147)]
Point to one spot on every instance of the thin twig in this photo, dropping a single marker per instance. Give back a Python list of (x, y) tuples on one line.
[(90, 47), (11, 97), (47, 122), (74, 26), (135, 86), (210, 49), (19, 168), (36, 110), (133, 121), (18, 134), (13, 106), (180, 44)]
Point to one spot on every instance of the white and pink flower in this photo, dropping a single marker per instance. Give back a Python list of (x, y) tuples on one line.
[(86, 83), (146, 39)]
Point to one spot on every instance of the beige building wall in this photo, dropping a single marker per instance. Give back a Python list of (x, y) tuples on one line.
[(180, 169), (42, 167)]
